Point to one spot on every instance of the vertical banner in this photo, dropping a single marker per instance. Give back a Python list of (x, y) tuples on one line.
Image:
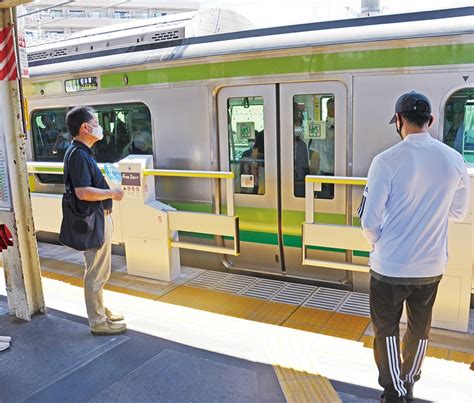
[(8, 69), (23, 57)]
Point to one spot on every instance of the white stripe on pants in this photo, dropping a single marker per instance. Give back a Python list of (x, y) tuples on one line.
[(98, 268)]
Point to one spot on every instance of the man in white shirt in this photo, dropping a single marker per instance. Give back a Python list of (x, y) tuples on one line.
[(413, 189)]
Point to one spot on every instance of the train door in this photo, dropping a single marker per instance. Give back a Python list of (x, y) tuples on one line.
[(313, 140), (271, 137), (248, 147)]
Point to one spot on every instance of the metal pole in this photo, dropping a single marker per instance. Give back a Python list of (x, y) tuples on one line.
[(21, 261)]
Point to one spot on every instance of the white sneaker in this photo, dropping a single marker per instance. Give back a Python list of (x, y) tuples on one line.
[(4, 346), (5, 339)]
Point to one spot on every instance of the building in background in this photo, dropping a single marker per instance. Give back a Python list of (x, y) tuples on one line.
[(46, 19)]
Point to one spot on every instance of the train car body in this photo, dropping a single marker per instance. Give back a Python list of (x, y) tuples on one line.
[(270, 105)]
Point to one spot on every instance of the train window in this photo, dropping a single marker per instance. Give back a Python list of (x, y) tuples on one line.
[(459, 123), (246, 144), (127, 130), (313, 145)]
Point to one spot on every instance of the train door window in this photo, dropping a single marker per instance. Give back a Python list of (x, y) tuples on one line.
[(246, 144), (459, 123), (313, 141), (127, 130)]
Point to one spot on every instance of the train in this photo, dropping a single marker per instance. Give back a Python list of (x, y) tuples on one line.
[(270, 105)]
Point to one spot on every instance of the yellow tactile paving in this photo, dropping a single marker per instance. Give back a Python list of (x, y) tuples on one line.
[(273, 313), (289, 374), (300, 386), (78, 282), (341, 334), (437, 352), (241, 307), (459, 356), (347, 323), (128, 291), (206, 300), (368, 341), (309, 319)]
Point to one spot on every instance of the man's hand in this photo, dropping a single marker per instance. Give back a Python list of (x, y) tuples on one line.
[(116, 194)]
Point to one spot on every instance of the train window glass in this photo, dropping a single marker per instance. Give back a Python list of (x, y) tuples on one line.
[(246, 144), (127, 130), (313, 145), (459, 123)]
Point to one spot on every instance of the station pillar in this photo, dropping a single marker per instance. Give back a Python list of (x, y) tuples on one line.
[(20, 261)]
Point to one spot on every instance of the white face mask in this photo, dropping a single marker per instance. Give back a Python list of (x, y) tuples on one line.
[(298, 131), (97, 132)]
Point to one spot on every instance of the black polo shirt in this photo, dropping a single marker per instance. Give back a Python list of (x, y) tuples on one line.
[(83, 171)]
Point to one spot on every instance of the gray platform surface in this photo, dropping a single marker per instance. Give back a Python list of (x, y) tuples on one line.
[(55, 358)]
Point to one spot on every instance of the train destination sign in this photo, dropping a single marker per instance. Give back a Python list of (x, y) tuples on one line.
[(81, 84)]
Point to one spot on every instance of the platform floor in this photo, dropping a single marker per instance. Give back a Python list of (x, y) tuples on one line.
[(316, 341)]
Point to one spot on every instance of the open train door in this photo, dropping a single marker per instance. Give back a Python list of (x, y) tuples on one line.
[(248, 147), (313, 140)]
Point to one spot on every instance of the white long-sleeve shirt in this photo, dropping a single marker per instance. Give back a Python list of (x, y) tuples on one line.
[(413, 189)]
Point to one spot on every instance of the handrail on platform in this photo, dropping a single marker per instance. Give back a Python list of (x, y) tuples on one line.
[(228, 176), (352, 236), (51, 168), (189, 174), (57, 168), (313, 183)]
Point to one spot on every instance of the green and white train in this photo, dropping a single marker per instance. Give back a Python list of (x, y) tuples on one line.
[(204, 103)]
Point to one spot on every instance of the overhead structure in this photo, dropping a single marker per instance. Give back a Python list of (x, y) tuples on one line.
[(154, 33)]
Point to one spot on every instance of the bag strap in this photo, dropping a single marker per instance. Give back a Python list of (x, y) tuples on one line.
[(66, 170)]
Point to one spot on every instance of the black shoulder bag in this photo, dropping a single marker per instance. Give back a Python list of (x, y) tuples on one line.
[(80, 230)]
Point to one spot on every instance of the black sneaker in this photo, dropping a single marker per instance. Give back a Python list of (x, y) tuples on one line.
[(392, 398), (409, 387)]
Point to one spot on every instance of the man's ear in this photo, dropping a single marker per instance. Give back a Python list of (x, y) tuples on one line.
[(431, 121), (399, 119), (84, 127)]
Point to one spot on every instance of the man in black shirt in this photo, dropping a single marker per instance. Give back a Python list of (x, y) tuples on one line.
[(89, 186)]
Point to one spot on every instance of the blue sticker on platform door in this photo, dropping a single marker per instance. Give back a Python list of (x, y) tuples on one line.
[(131, 179)]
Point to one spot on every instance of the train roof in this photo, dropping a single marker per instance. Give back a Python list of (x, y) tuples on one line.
[(438, 23)]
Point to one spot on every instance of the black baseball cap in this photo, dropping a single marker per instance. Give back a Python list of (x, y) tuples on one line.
[(411, 102)]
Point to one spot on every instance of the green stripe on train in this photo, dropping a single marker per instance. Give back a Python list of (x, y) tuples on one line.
[(265, 238), (264, 219), (310, 63)]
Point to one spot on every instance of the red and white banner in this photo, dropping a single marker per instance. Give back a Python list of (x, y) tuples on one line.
[(8, 68)]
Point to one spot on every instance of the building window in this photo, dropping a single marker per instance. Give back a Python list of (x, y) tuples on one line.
[(97, 14), (122, 14), (141, 14), (76, 13), (56, 13)]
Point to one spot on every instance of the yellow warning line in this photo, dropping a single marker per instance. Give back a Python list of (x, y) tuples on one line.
[(78, 282), (299, 386)]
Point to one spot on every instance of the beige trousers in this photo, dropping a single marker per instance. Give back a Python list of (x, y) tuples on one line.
[(98, 268)]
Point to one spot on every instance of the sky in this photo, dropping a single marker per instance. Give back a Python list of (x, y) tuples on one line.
[(265, 13)]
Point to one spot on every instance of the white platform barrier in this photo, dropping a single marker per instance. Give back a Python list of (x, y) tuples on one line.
[(451, 310), (147, 227)]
